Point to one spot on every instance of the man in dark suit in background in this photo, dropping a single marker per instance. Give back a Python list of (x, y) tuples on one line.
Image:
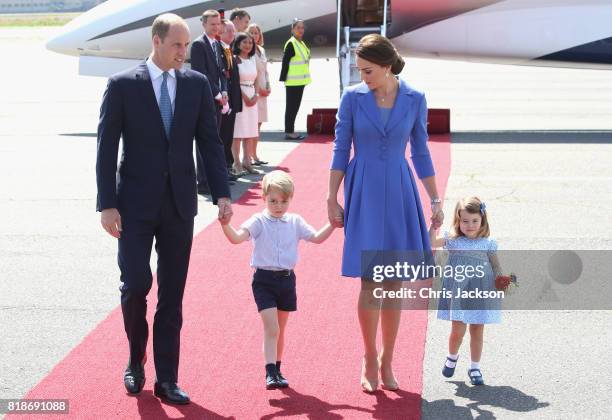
[(158, 110), (207, 58), (233, 89), (240, 18)]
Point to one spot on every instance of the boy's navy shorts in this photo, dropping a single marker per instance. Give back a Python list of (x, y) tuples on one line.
[(274, 289)]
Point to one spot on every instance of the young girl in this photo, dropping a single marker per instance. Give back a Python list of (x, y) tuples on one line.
[(468, 245), (275, 234)]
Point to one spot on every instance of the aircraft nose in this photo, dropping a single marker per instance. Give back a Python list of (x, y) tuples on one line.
[(66, 42)]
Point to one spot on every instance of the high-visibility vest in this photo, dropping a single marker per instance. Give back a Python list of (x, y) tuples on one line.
[(299, 73)]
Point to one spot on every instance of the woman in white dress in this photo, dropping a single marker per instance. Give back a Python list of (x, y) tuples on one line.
[(263, 84), (245, 128)]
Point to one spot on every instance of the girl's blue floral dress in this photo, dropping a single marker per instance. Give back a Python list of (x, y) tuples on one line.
[(463, 251)]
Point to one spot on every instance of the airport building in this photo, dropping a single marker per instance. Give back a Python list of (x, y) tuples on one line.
[(46, 6)]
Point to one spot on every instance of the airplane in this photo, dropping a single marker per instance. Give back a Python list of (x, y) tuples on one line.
[(560, 33)]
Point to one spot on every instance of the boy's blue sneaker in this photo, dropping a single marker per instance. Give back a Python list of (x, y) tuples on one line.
[(475, 377), (448, 371)]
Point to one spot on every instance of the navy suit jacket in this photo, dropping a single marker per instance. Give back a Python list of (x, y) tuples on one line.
[(234, 92), (207, 62), (130, 111)]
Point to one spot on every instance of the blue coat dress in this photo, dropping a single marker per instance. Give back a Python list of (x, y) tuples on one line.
[(382, 209)]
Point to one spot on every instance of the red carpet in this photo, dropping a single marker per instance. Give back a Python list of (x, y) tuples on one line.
[(221, 356)]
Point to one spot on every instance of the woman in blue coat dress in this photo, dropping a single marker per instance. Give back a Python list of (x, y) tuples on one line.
[(382, 210)]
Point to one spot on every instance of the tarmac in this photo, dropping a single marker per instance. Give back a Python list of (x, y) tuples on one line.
[(534, 143)]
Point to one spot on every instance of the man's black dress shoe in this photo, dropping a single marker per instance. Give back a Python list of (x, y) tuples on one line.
[(170, 392), (134, 378)]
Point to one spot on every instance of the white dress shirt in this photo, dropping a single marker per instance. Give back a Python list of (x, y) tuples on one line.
[(157, 78), (275, 240), (212, 41)]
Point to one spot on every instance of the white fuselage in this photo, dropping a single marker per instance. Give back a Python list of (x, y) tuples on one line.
[(544, 32)]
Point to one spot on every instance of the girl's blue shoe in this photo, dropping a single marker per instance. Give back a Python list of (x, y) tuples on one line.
[(475, 377), (447, 371)]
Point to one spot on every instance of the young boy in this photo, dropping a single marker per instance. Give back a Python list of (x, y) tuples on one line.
[(275, 235)]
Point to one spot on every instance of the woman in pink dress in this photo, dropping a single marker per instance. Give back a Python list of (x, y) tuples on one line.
[(262, 83), (245, 128)]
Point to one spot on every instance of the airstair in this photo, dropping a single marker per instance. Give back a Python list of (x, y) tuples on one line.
[(357, 18)]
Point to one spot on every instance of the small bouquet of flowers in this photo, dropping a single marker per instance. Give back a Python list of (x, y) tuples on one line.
[(506, 283)]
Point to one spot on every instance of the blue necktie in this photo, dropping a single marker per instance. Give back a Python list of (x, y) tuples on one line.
[(218, 59), (215, 47), (165, 105)]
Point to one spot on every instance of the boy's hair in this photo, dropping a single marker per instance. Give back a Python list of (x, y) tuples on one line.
[(280, 180), (471, 205)]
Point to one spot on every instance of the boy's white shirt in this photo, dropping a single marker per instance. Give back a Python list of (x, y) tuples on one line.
[(275, 239)]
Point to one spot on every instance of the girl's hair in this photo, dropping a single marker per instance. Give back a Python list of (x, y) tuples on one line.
[(280, 180), (379, 50), (471, 205), (295, 23), (241, 36), (261, 37)]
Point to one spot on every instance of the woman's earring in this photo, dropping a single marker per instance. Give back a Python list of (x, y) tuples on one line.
[(387, 74)]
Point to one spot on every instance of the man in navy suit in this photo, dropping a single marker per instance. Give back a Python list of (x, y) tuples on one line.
[(207, 58), (226, 130), (158, 110)]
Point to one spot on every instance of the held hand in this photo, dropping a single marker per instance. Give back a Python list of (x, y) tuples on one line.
[(437, 220), (111, 222), (335, 214), (225, 210), (437, 216)]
